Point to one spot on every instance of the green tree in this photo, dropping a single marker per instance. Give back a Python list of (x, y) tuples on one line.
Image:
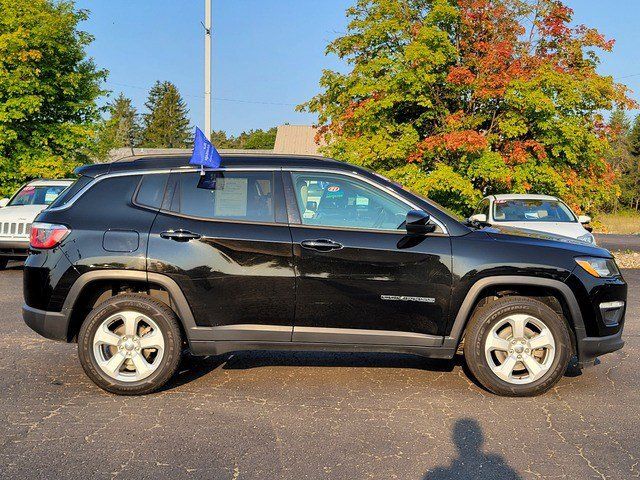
[(166, 125), (220, 139), (618, 155), (619, 139), (48, 91), (122, 128), (258, 139), (630, 169), (477, 96), (633, 140), (250, 140)]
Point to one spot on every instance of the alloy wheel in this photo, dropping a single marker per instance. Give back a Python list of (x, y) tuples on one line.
[(128, 346), (520, 349)]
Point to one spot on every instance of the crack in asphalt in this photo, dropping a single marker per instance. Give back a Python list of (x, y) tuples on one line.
[(260, 415)]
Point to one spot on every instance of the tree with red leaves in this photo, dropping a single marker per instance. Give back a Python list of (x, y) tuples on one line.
[(463, 98)]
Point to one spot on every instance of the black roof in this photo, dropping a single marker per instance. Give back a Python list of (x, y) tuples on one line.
[(149, 162)]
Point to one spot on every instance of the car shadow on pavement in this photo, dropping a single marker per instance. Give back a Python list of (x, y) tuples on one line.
[(471, 462), (258, 359), (192, 368)]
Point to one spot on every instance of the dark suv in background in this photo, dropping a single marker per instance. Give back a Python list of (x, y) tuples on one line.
[(144, 257)]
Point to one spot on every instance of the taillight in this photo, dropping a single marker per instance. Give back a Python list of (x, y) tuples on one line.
[(47, 235)]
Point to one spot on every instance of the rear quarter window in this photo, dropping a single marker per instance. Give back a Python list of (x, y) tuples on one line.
[(107, 204), (151, 190), (70, 192)]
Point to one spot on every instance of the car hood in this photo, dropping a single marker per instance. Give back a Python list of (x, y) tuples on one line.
[(534, 237), (565, 229), (21, 213)]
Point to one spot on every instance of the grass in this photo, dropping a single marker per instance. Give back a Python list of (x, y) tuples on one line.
[(623, 222)]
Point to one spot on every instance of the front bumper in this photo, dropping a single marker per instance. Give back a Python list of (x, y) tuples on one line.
[(590, 348), (52, 325), (14, 248)]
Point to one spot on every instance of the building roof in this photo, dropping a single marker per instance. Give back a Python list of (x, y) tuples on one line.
[(121, 153), (297, 140)]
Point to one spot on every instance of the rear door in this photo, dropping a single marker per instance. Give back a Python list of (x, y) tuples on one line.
[(360, 277), (224, 239)]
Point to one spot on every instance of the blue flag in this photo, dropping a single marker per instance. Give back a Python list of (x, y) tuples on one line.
[(204, 153)]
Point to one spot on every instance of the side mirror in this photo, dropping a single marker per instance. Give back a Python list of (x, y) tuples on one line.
[(584, 219), (419, 222), (312, 206), (478, 217), (4, 202)]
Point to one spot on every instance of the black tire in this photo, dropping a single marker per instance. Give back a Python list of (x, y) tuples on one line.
[(3, 263), (486, 317), (156, 310)]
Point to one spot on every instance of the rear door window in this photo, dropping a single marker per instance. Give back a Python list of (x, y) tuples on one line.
[(244, 196)]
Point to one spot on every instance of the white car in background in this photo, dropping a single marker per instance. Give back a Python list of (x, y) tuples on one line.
[(18, 212), (542, 213)]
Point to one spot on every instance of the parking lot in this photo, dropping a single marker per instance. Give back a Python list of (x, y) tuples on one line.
[(260, 415)]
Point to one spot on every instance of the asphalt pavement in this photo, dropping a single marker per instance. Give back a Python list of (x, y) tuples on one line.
[(260, 415)]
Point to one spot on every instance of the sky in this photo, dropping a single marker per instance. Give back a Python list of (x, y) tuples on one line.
[(268, 55)]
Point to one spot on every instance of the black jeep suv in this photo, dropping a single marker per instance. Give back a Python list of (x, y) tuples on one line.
[(144, 257)]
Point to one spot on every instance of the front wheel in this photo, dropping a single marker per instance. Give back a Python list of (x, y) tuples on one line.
[(130, 344), (517, 346)]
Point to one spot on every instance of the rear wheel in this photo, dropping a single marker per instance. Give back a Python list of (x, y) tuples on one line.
[(517, 346), (3, 263), (130, 344)]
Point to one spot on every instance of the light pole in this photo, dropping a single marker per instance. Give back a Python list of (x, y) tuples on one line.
[(207, 68)]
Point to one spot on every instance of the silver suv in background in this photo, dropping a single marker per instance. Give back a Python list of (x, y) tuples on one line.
[(18, 212), (542, 213)]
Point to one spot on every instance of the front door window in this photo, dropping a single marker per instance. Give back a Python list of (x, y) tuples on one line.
[(331, 200)]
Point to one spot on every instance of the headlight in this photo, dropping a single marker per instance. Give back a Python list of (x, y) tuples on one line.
[(587, 237), (599, 267)]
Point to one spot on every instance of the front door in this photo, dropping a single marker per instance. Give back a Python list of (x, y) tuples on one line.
[(360, 277), (224, 239)]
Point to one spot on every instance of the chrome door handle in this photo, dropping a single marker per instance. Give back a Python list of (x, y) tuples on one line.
[(321, 245), (180, 235)]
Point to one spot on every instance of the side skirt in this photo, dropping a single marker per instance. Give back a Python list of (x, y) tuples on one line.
[(220, 347)]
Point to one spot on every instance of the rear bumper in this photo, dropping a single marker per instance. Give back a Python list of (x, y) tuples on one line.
[(52, 325), (590, 348)]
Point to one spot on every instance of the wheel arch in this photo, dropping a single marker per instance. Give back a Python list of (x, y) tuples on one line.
[(93, 287), (485, 286)]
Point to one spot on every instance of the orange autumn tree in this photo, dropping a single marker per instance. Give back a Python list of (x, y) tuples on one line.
[(458, 99)]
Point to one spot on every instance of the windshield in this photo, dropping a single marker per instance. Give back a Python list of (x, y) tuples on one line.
[(532, 211), (31, 195)]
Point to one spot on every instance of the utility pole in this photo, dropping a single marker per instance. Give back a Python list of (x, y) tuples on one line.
[(207, 68)]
